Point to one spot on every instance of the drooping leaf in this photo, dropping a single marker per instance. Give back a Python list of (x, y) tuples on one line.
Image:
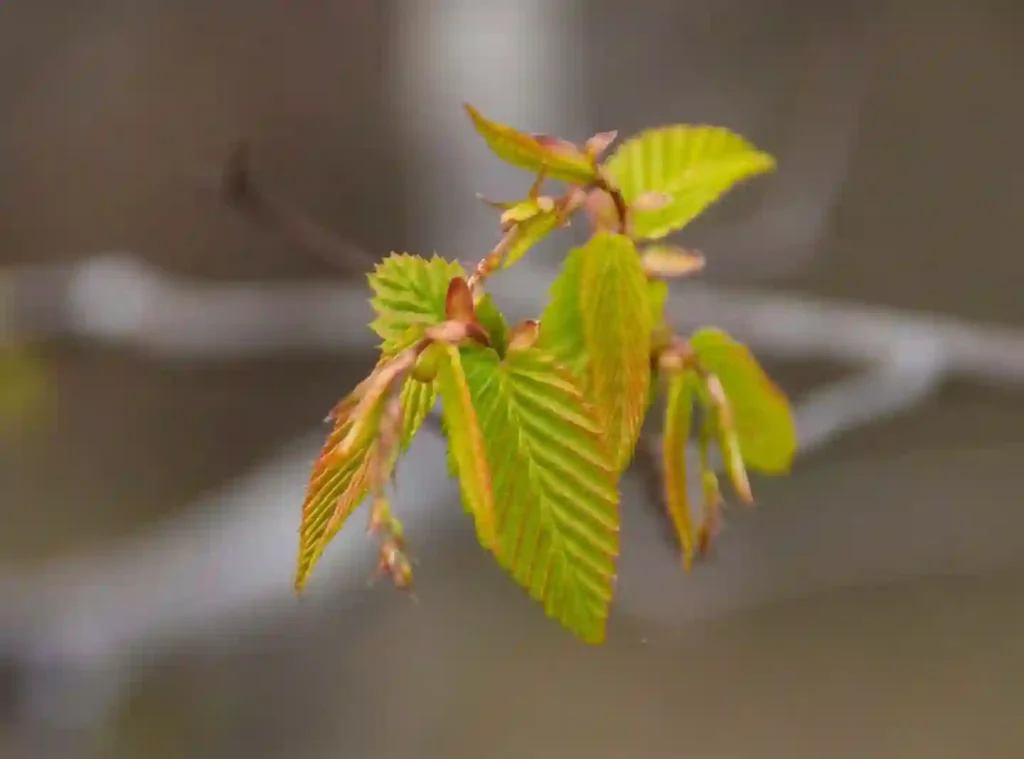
[(763, 419), (615, 313), (466, 442), (409, 292), (337, 486), (556, 160), (695, 165), (720, 422), (418, 399), (554, 484), (678, 417)]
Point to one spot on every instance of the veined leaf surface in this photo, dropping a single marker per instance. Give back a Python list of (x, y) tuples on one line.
[(762, 417), (466, 445), (409, 291), (554, 484), (615, 312), (693, 165), (528, 152)]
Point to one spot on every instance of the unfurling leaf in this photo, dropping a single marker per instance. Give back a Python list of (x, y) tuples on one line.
[(694, 165), (678, 416), (554, 484), (598, 323), (669, 261), (409, 295), (762, 417), (556, 159), (466, 443)]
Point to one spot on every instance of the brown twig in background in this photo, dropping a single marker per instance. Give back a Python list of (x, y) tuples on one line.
[(279, 215)]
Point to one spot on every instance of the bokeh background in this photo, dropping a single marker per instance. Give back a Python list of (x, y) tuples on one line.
[(872, 605)]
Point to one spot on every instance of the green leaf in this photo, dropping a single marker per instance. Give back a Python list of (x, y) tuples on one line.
[(615, 313), (529, 233), (762, 417), (337, 486), (466, 441), (598, 323), (678, 418), (409, 294), (554, 484), (530, 153), (561, 328), (418, 399), (492, 320), (693, 165)]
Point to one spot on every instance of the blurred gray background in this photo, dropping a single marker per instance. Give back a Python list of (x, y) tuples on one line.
[(872, 605)]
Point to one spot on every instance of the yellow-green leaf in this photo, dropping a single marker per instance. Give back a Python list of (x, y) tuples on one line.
[(561, 329), (678, 417), (409, 294), (693, 165), (615, 313), (492, 320), (466, 443), (337, 486), (554, 484), (529, 233), (762, 417), (418, 399), (530, 153), (598, 323)]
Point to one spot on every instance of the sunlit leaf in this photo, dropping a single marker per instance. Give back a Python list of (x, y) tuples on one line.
[(557, 159), (466, 442), (409, 291), (418, 399), (762, 416), (694, 165), (554, 484), (678, 417), (615, 313)]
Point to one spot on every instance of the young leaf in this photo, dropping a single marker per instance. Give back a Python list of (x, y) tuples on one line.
[(466, 442), (762, 417), (615, 313), (561, 328), (694, 165), (678, 416), (337, 486), (598, 323), (492, 320), (418, 399), (409, 291), (555, 159), (529, 233), (554, 484)]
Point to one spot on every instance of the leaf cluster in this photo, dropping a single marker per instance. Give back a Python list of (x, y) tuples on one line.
[(542, 418)]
